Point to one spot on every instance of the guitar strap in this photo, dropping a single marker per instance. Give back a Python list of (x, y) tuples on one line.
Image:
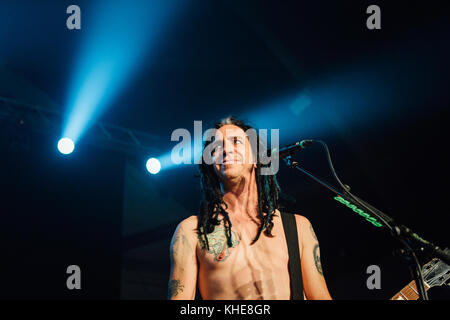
[(295, 267)]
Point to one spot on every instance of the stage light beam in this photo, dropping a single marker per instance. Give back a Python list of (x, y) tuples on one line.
[(120, 38)]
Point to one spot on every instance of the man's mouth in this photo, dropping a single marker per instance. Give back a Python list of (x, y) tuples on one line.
[(230, 161)]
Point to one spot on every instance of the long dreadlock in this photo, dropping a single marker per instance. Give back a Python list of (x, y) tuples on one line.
[(212, 203)]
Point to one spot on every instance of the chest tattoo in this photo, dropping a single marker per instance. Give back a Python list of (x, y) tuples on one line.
[(218, 246)]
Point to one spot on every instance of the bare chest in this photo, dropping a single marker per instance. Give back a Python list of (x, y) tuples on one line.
[(242, 252), (244, 270)]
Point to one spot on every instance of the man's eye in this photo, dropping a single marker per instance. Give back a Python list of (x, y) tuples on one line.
[(217, 147), (237, 140)]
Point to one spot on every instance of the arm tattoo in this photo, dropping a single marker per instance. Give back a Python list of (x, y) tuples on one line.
[(316, 252), (185, 242), (174, 288), (175, 247), (317, 259), (179, 250)]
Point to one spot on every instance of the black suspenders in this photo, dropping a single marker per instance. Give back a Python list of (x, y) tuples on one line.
[(295, 267)]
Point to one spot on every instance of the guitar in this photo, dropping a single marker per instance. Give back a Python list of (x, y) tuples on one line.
[(435, 273)]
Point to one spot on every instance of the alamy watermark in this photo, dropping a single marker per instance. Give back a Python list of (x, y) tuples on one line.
[(249, 147), (74, 20), (74, 280), (374, 280), (373, 22)]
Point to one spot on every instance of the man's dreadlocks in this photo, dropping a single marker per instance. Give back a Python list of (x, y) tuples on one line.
[(212, 203)]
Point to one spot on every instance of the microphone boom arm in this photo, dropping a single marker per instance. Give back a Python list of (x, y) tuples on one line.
[(378, 218)]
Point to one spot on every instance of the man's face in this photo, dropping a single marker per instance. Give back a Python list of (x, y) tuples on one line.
[(234, 158)]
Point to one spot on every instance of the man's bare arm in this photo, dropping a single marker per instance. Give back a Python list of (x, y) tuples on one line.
[(183, 261), (314, 283)]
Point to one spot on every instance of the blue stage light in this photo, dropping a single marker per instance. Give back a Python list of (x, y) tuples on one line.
[(153, 165), (66, 146)]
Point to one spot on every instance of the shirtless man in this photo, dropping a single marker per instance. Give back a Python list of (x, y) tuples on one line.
[(225, 262)]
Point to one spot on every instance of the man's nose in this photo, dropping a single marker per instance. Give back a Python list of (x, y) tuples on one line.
[(228, 148)]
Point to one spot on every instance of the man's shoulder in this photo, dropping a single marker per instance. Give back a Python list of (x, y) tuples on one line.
[(190, 220), (300, 220), (189, 224)]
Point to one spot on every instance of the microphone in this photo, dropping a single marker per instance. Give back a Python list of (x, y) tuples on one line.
[(291, 149)]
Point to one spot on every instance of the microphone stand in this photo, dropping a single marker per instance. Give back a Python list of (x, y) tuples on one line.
[(403, 234)]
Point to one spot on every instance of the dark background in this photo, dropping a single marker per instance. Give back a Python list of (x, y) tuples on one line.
[(380, 99)]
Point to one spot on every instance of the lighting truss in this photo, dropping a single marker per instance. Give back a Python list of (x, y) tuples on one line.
[(46, 120)]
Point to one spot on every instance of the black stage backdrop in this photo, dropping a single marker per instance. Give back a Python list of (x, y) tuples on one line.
[(102, 211), (55, 213)]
